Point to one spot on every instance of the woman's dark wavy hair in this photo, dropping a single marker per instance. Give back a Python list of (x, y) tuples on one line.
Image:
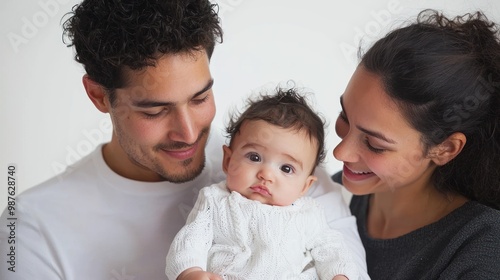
[(444, 74), (109, 35), (285, 108)]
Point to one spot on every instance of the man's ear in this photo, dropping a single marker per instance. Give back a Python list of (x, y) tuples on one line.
[(226, 158), (448, 149), (97, 94), (309, 181)]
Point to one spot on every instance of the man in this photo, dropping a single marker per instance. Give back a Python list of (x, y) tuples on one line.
[(114, 213)]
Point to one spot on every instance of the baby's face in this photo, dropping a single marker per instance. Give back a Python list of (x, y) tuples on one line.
[(270, 164)]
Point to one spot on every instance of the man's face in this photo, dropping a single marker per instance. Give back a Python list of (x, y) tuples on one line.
[(161, 120)]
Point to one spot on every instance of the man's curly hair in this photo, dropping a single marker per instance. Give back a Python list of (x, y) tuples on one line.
[(109, 35)]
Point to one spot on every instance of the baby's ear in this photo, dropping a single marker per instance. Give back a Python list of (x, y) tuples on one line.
[(448, 149), (226, 158), (309, 181)]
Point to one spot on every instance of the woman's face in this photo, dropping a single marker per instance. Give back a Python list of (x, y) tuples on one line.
[(380, 150)]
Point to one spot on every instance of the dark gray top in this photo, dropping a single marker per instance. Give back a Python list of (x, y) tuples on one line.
[(465, 244)]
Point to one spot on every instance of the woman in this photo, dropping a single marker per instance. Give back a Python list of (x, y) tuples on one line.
[(420, 129)]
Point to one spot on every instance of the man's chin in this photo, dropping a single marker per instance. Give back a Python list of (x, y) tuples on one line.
[(185, 173)]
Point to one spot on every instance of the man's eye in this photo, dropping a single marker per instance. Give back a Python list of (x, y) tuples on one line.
[(287, 169), (152, 115), (200, 100)]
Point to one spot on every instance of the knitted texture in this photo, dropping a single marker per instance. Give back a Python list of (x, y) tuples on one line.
[(238, 238)]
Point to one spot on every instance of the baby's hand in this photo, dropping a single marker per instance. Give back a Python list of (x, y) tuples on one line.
[(196, 273), (340, 277)]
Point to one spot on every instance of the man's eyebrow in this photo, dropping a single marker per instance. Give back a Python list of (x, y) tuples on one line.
[(153, 103), (376, 135)]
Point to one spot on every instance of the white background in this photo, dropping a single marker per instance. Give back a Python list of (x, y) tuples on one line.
[(47, 121)]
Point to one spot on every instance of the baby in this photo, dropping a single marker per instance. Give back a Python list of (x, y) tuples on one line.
[(257, 224)]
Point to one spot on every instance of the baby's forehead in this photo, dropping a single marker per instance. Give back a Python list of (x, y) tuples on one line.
[(297, 128), (260, 132)]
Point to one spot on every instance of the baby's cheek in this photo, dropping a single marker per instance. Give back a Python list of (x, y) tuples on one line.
[(235, 169)]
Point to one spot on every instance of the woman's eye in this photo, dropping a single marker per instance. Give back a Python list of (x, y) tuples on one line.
[(287, 169), (373, 149), (254, 157), (343, 117)]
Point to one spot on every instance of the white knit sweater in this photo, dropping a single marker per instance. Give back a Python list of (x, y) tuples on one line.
[(238, 238)]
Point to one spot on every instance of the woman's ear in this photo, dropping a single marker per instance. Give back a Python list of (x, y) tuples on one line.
[(448, 149), (226, 158), (96, 93)]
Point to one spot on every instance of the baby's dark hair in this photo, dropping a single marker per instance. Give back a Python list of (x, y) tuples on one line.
[(286, 108), (111, 35)]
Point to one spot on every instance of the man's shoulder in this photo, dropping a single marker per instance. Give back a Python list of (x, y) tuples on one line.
[(61, 185)]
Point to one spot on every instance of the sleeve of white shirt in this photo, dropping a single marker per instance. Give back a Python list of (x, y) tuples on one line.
[(25, 251), (331, 256), (339, 217), (191, 244)]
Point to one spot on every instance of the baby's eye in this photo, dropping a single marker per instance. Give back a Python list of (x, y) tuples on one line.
[(253, 157), (287, 169)]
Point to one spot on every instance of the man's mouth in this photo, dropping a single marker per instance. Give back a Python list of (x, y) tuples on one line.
[(182, 154)]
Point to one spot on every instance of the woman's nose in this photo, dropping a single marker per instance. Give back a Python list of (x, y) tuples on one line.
[(346, 150)]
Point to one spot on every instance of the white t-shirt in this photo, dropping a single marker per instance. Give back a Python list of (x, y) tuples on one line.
[(90, 223), (239, 238)]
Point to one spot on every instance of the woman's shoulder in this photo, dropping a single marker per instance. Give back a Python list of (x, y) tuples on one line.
[(479, 213), (474, 247), (482, 218), (475, 226)]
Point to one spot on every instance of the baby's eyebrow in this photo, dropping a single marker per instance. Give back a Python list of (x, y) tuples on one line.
[(296, 161)]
